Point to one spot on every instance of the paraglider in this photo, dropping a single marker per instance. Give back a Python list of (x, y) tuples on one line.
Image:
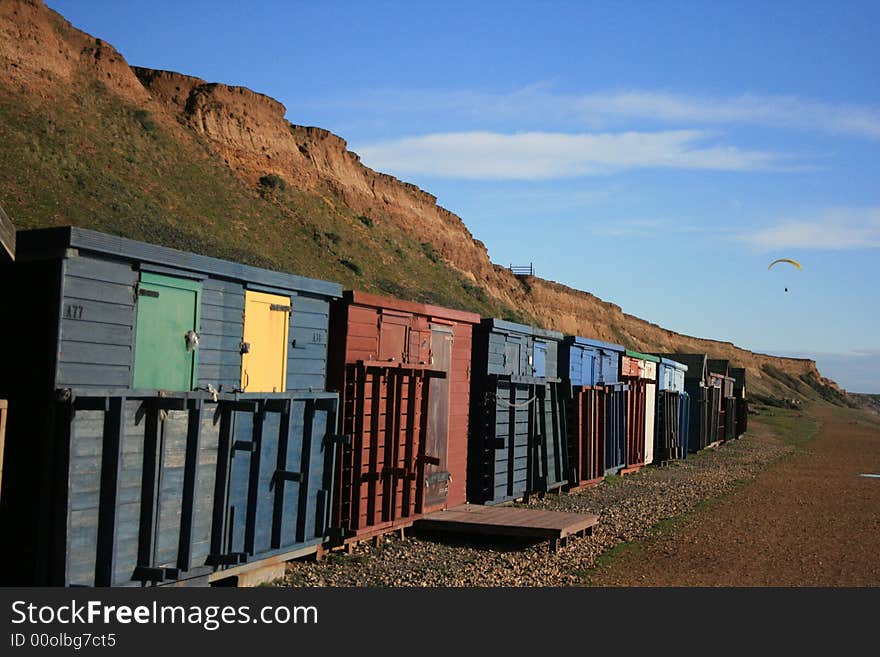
[(789, 261)]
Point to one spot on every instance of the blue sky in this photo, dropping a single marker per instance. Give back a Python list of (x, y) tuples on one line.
[(658, 155)]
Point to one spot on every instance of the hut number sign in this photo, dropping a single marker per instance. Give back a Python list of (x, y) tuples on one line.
[(73, 311)]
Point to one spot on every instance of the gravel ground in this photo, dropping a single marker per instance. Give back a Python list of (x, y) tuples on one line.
[(628, 507)]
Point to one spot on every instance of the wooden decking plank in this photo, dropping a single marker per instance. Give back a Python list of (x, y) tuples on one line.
[(508, 521)]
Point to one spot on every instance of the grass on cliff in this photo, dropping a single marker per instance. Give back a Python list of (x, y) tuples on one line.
[(94, 161)]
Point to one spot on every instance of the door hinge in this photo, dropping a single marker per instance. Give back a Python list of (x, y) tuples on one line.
[(279, 308), (282, 476)]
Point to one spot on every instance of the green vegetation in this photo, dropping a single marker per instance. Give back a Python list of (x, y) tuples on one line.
[(514, 315), (617, 335), (430, 253), (392, 288), (351, 265), (146, 120), (91, 160), (606, 558), (273, 181), (475, 291), (793, 427)]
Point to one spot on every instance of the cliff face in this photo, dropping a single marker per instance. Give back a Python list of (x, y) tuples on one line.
[(46, 63), (249, 131), (41, 53)]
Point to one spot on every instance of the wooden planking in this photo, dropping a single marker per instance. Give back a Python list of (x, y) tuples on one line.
[(97, 310), (94, 354), (217, 310), (508, 521), (313, 305), (87, 288), (97, 324), (97, 333), (111, 376), (227, 345), (310, 320), (364, 508), (88, 240), (456, 451), (256, 496), (305, 512), (553, 359), (220, 334), (84, 496), (308, 334), (106, 271), (507, 454), (168, 511)]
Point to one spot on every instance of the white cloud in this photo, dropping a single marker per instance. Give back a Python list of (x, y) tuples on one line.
[(774, 111), (539, 104), (835, 229), (544, 155)]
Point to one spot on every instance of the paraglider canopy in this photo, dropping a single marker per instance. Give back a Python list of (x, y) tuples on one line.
[(788, 260)]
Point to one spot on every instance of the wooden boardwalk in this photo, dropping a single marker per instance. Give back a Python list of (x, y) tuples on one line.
[(554, 526)]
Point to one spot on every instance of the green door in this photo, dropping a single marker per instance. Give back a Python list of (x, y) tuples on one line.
[(167, 309)]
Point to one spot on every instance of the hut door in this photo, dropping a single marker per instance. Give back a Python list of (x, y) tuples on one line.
[(590, 367), (575, 367), (606, 369), (650, 408), (394, 337), (436, 471), (167, 311), (264, 345), (512, 355), (539, 364)]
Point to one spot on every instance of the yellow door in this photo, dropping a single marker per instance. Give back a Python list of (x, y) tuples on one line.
[(264, 346)]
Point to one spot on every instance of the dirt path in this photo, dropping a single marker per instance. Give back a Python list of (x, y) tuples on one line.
[(808, 520)]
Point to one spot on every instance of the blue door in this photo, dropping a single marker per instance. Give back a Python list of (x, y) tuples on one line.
[(607, 368), (576, 365), (590, 368)]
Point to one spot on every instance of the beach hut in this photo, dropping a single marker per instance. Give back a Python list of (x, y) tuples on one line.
[(672, 411), (518, 440), (595, 409), (403, 372), (705, 399), (168, 413), (639, 372), (742, 402)]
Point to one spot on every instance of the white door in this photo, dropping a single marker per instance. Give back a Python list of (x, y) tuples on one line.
[(650, 410)]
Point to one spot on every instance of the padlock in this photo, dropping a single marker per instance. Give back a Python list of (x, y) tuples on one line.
[(192, 340)]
